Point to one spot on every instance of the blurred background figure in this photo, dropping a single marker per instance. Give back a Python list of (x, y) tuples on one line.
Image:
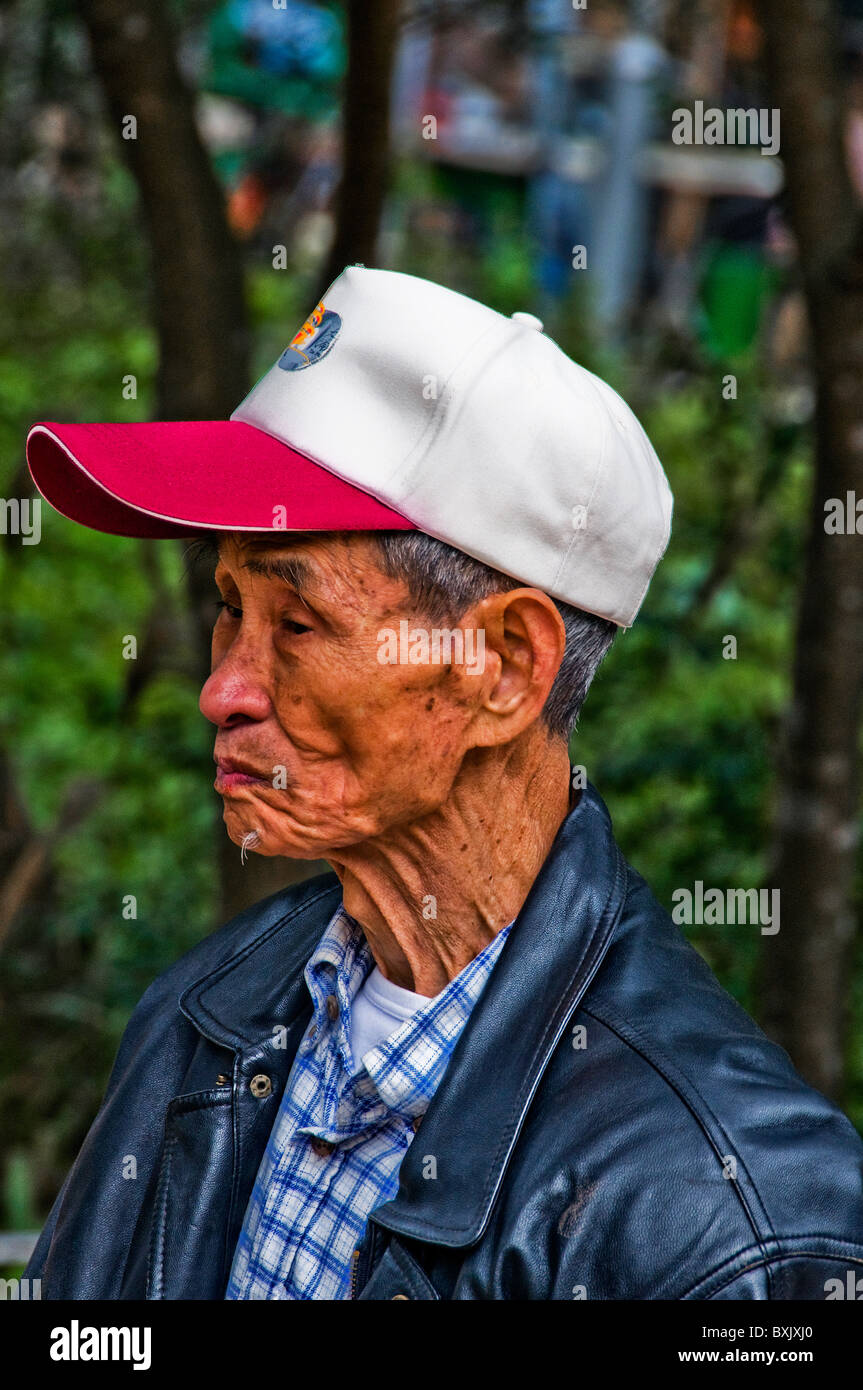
[(634, 63), (284, 65)]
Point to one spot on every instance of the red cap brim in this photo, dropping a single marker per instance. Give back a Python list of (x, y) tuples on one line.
[(173, 478)]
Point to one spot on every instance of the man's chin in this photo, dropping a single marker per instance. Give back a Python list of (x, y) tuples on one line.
[(325, 831), (257, 840)]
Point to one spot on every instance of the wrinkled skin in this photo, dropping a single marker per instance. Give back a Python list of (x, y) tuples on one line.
[(411, 780)]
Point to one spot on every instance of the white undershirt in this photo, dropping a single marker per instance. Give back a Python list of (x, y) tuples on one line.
[(379, 1008)]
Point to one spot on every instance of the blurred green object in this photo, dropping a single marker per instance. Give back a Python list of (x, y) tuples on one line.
[(483, 193), (736, 284), (463, 231), (19, 1210)]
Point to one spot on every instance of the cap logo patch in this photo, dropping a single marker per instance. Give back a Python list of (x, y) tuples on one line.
[(313, 341)]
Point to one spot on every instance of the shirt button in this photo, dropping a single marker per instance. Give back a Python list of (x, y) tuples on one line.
[(312, 1031), (400, 1295), (322, 1147), (261, 1086), (416, 1122), (332, 1007)]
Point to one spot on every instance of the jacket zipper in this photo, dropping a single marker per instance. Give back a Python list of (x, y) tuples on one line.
[(355, 1259)]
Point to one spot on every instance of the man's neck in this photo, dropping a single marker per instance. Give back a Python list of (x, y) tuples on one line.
[(432, 894)]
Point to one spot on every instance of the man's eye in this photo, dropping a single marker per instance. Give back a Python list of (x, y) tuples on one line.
[(294, 628)]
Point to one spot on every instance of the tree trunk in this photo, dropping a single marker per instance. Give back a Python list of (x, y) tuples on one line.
[(372, 36), (199, 305), (805, 966)]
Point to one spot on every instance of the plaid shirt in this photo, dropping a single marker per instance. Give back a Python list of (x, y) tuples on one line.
[(338, 1139)]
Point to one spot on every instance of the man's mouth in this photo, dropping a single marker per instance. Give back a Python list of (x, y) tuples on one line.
[(232, 772)]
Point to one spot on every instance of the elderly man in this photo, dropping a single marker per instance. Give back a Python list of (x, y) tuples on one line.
[(477, 1060)]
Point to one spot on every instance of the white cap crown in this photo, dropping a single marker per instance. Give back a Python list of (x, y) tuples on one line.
[(479, 430)]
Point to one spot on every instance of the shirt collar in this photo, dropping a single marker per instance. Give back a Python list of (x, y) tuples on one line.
[(338, 966), (406, 1067)]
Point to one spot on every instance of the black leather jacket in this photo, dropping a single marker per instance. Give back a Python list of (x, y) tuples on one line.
[(612, 1125)]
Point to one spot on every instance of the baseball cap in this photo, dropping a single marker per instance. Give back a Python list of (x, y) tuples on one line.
[(398, 405)]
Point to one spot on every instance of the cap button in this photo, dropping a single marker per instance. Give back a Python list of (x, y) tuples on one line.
[(529, 320)]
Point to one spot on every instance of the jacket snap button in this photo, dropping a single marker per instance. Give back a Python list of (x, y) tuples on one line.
[(222, 1079), (260, 1086), (400, 1295)]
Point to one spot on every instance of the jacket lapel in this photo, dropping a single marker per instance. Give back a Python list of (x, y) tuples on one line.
[(261, 987)]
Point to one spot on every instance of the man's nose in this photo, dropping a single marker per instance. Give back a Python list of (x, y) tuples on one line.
[(237, 689)]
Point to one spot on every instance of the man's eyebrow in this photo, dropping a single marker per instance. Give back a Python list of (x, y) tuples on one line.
[(289, 568)]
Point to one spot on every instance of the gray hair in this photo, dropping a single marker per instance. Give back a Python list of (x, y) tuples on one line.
[(444, 583)]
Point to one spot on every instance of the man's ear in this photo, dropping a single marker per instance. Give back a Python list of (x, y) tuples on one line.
[(524, 642)]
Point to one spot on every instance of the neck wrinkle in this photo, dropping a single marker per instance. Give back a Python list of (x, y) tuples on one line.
[(435, 892)]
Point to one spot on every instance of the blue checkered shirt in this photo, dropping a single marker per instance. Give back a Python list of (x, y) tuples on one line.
[(338, 1140)]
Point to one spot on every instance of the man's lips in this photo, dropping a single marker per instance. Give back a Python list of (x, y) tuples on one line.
[(232, 772)]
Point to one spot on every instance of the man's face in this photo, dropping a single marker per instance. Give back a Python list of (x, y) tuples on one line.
[(319, 745)]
